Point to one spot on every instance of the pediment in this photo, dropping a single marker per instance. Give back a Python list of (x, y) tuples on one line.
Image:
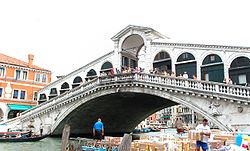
[(150, 33)]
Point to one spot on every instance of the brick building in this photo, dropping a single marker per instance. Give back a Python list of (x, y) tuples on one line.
[(19, 83)]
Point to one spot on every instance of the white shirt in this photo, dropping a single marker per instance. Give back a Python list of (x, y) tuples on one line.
[(205, 129)]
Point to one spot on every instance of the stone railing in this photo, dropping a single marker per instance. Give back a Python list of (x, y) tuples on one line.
[(57, 100), (148, 79), (182, 83)]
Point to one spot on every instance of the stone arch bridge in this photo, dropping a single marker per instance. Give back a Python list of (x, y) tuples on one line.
[(123, 100)]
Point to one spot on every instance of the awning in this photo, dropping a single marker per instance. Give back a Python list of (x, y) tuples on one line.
[(19, 107), (166, 116)]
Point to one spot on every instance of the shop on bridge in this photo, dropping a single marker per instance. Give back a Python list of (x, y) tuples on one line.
[(212, 68), (186, 63), (162, 62), (106, 68), (91, 75), (239, 71)]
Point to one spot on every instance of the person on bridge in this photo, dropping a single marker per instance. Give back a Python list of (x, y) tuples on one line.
[(205, 132), (98, 131)]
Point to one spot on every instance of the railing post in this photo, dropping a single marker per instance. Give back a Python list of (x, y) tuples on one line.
[(217, 88), (186, 83)]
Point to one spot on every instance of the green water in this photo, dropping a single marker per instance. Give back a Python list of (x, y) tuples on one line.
[(52, 144), (47, 144)]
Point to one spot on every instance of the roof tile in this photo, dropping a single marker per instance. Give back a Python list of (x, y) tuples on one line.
[(13, 61)]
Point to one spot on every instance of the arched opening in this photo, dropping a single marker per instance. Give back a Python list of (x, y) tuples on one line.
[(239, 71), (131, 47), (186, 64), (212, 68), (162, 62), (91, 75), (106, 68), (64, 88), (42, 98), (12, 114), (53, 93), (76, 82), (137, 106)]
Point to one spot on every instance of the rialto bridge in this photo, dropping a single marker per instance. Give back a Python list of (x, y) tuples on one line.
[(122, 100)]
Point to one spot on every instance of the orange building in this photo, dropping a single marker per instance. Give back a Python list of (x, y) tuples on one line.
[(19, 83)]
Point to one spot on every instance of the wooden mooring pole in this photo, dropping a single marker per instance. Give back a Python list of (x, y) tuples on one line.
[(126, 143), (65, 137)]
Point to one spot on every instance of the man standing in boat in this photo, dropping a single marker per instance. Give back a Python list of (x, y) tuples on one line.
[(98, 131)]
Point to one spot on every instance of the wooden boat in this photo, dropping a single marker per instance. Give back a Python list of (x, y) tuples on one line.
[(23, 139), (19, 137)]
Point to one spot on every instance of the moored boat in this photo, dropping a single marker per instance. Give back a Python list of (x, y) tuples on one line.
[(20, 137), (25, 139)]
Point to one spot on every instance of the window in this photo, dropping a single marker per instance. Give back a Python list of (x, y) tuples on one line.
[(1, 92), (185, 56), (37, 77), (40, 77), (206, 77), (125, 61), (44, 78), (132, 63), (2, 71), (18, 74), (25, 75), (35, 96), (22, 96), (15, 94), (242, 79), (212, 58), (21, 75)]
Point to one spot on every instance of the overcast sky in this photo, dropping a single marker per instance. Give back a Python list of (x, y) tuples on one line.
[(66, 35)]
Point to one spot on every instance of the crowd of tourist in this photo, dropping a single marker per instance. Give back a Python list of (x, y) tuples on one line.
[(157, 71)]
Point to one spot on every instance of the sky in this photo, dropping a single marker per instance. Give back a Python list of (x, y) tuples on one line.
[(65, 35)]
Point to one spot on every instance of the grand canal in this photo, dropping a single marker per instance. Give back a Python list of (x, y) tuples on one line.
[(47, 144), (52, 143)]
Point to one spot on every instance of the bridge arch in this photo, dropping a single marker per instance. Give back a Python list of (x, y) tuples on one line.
[(162, 61), (130, 49), (212, 68), (151, 101), (53, 93), (91, 74), (106, 67), (239, 71), (42, 98), (76, 82), (186, 63), (64, 88)]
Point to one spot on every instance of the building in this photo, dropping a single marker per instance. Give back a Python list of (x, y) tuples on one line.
[(147, 49), (19, 83)]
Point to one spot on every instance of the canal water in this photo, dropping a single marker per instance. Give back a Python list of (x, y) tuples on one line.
[(52, 143), (47, 144)]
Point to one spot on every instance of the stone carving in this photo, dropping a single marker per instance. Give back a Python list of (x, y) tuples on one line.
[(214, 109), (8, 91)]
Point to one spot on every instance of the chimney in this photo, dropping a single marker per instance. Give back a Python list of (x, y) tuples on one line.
[(30, 58)]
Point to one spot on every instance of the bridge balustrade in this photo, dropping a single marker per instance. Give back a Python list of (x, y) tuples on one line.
[(172, 82)]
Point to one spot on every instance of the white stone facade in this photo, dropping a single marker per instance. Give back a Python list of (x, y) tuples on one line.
[(151, 47)]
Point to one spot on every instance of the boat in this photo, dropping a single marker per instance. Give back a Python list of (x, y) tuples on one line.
[(20, 137)]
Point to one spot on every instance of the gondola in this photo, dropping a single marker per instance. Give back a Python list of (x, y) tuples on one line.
[(23, 139), (19, 137)]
